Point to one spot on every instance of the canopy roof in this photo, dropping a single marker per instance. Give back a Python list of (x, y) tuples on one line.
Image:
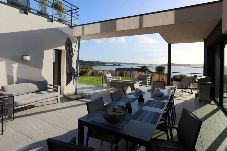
[(181, 25)]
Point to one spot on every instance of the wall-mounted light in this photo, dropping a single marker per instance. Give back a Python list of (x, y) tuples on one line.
[(26, 58)]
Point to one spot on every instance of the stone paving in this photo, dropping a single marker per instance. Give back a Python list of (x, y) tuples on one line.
[(33, 126)]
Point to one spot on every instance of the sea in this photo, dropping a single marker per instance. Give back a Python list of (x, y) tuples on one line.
[(176, 70)]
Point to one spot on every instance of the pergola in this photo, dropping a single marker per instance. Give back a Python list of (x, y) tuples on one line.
[(182, 25)]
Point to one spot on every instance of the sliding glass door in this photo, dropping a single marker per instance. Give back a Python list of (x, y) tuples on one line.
[(225, 79)]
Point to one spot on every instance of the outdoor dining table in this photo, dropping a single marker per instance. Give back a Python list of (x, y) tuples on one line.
[(138, 126)]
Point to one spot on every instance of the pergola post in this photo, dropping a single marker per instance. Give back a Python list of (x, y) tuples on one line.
[(169, 65)]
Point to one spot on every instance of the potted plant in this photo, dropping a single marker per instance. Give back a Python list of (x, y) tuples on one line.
[(43, 7), (22, 4), (58, 6), (160, 73)]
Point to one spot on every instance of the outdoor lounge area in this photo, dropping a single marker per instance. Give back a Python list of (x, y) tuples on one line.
[(44, 105)]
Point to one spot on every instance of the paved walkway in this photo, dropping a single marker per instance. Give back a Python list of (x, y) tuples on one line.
[(33, 126)]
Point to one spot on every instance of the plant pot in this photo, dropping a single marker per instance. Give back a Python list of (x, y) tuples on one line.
[(44, 14)]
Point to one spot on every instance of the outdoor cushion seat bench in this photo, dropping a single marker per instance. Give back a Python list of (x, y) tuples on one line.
[(26, 93)]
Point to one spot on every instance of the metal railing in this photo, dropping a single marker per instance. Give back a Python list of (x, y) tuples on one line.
[(54, 10)]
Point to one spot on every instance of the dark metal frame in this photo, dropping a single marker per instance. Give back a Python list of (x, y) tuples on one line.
[(214, 39), (169, 65), (70, 11), (2, 105), (222, 74)]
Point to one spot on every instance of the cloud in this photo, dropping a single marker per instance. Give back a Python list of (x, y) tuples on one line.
[(119, 40), (142, 39)]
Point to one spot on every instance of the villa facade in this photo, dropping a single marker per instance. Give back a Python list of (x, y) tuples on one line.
[(43, 40)]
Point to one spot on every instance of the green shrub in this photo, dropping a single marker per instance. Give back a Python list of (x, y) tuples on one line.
[(160, 69), (58, 6), (144, 69), (84, 69), (178, 78)]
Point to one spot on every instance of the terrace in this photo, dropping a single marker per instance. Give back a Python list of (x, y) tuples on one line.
[(32, 127), (33, 124)]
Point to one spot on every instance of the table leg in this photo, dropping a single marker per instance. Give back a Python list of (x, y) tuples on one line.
[(80, 133), (148, 148)]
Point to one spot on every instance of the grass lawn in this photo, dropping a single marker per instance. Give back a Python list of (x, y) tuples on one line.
[(95, 80), (91, 80)]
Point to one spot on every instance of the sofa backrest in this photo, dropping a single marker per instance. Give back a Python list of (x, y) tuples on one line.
[(42, 85), (21, 88)]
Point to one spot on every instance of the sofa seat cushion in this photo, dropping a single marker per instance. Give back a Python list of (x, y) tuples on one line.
[(34, 97), (20, 89)]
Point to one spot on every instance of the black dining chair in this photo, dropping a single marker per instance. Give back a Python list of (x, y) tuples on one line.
[(168, 117), (117, 95), (92, 107), (187, 133), (56, 145)]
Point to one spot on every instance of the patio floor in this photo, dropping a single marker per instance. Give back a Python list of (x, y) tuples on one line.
[(33, 126)]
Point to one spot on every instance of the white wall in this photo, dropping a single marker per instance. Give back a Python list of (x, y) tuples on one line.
[(224, 17), (31, 35)]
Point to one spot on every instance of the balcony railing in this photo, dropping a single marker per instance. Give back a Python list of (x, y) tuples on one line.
[(54, 10)]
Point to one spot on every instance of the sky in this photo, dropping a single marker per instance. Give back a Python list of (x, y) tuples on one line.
[(147, 49)]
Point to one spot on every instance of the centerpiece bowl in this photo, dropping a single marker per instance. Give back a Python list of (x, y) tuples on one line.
[(114, 113)]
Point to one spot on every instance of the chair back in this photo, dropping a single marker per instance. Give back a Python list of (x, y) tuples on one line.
[(55, 145), (158, 84), (185, 82), (95, 105), (188, 129), (116, 95)]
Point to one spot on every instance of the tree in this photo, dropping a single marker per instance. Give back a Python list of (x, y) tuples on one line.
[(144, 69), (160, 69)]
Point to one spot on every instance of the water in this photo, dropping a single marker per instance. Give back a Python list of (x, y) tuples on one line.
[(176, 70)]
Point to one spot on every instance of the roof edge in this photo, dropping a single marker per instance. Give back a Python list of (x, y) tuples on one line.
[(172, 9)]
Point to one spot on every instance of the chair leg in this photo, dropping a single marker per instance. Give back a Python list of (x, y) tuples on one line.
[(101, 143), (171, 133), (111, 146), (116, 148), (87, 139)]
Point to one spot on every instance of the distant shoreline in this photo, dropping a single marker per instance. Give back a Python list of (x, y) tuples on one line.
[(102, 63)]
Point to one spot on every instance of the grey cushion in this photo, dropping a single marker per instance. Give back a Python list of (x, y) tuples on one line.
[(42, 85), (34, 97), (18, 89)]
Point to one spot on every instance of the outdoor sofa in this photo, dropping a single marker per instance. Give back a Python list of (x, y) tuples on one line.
[(121, 84), (22, 94)]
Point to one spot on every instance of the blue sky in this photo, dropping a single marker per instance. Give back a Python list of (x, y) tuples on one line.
[(139, 49)]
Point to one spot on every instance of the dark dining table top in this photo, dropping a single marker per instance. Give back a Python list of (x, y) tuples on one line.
[(138, 125)]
